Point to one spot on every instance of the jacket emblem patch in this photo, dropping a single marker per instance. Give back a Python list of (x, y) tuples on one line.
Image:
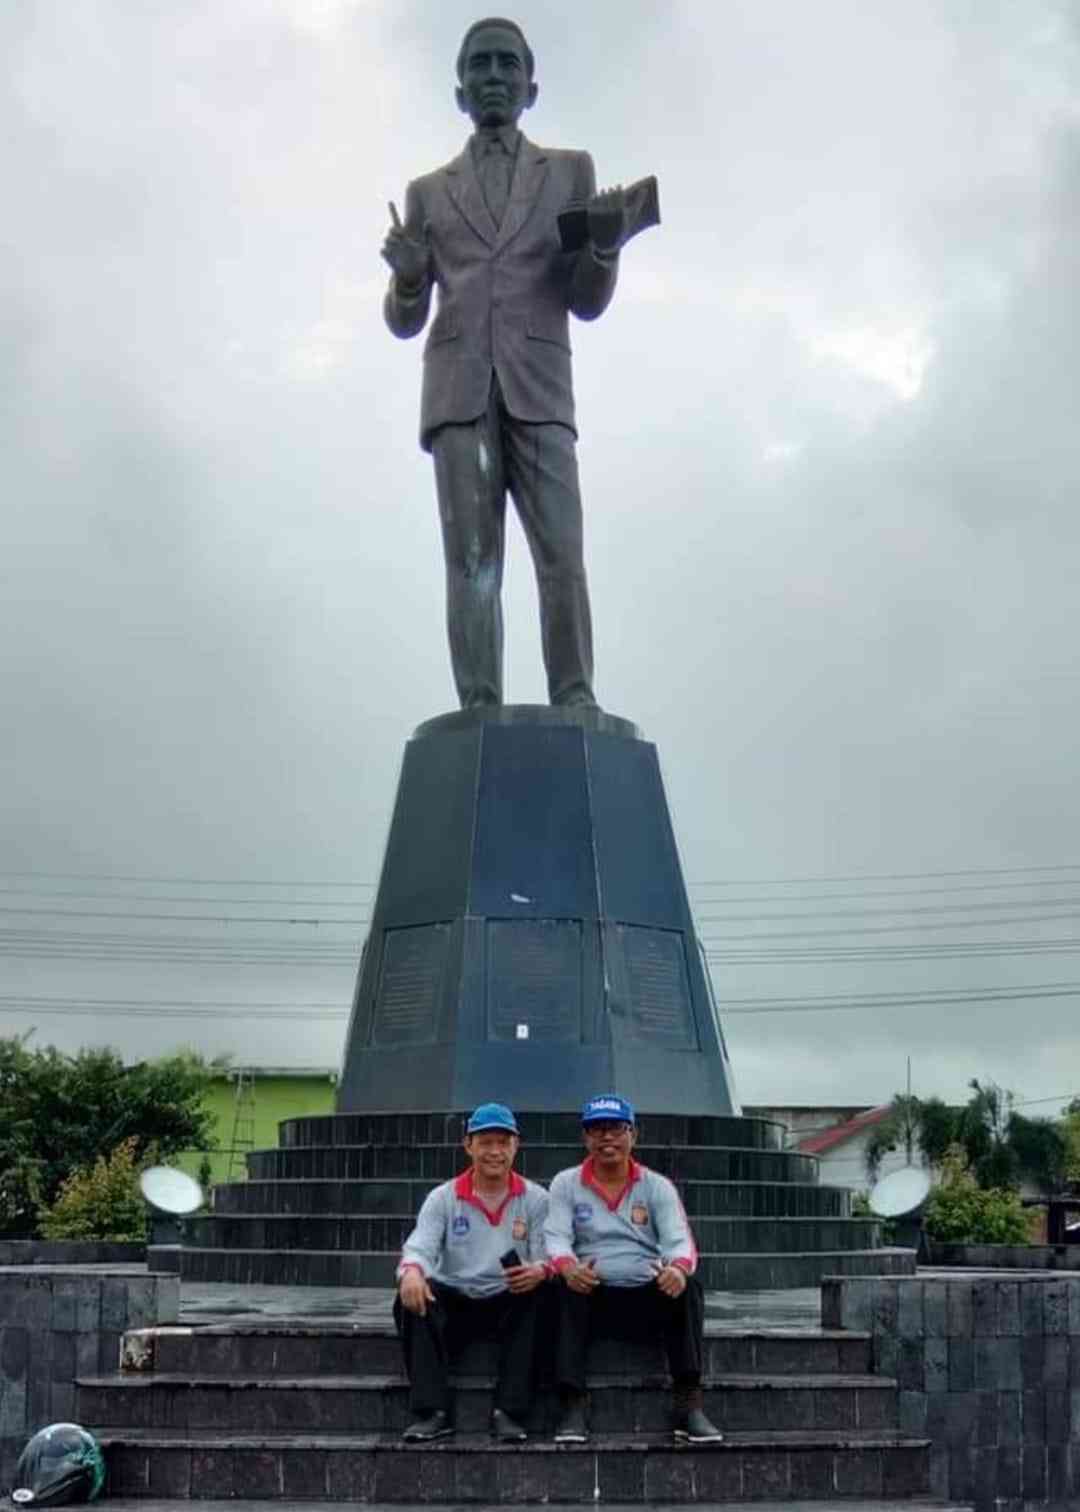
[(639, 1213), (583, 1212), (519, 1229), (460, 1225)]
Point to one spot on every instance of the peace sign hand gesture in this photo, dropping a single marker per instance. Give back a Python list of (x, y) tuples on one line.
[(410, 258)]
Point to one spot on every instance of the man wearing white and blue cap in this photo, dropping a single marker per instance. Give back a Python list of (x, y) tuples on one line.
[(472, 1266), (618, 1236)]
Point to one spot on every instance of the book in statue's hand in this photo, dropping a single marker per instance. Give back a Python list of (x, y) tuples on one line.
[(642, 211)]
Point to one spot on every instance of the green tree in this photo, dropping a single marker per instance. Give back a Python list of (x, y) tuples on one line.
[(1041, 1149), (21, 1167), (984, 1135), (960, 1211), (937, 1129), (59, 1113), (914, 1125), (102, 1201), (1070, 1130), (1000, 1145)]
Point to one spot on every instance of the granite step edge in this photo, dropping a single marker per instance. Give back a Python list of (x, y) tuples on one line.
[(881, 1251), (338, 1215), (376, 1381), (239, 1504), (481, 1443), (301, 1327)]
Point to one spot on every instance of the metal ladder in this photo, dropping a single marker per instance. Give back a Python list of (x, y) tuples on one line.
[(243, 1129)]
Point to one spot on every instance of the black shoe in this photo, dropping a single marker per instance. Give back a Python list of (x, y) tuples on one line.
[(431, 1426), (505, 1430), (693, 1427), (573, 1429)]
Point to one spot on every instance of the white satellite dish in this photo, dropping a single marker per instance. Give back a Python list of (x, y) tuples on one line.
[(900, 1194), (170, 1190)]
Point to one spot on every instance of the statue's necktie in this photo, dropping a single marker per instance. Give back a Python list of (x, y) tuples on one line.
[(496, 169)]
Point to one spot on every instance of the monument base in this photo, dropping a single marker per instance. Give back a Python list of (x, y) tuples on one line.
[(531, 938)]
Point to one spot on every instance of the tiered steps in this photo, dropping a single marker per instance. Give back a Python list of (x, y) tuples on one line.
[(302, 1412), (331, 1205), (247, 1504)]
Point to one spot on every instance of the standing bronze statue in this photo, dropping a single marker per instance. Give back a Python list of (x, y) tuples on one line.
[(497, 409)]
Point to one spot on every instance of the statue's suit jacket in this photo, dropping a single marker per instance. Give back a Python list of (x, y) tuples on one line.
[(504, 293)]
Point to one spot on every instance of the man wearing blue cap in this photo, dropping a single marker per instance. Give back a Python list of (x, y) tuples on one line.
[(471, 1266), (618, 1236)]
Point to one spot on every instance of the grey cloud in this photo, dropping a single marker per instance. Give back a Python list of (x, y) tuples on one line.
[(222, 586)]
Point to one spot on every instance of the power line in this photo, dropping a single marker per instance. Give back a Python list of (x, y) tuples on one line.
[(21, 997), (157, 897), (868, 913), (994, 988), (92, 913), (346, 958), (971, 871), (195, 949), (1000, 908), (123, 877), (193, 1010), (213, 943), (877, 929), (734, 1006), (113, 897), (185, 1007), (896, 892), (104, 945), (812, 955), (855, 1002), (916, 876)]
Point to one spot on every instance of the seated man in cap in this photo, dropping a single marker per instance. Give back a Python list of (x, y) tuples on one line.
[(617, 1235), (470, 1266)]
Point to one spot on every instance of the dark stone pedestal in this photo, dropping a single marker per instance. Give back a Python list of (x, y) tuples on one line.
[(531, 939)]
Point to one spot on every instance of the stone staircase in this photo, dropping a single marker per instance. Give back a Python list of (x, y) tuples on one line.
[(313, 1412), (297, 1410), (331, 1205)]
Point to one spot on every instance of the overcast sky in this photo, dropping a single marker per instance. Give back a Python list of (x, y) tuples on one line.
[(830, 457)]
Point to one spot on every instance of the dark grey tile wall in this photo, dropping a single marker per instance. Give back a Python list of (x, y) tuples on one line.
[(56, 1323), (988, 1366)]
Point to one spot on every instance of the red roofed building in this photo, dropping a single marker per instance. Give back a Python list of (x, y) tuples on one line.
[(837, 1137)]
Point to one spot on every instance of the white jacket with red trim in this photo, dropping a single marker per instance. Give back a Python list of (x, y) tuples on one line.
[(458, 1241), (629, 1237)]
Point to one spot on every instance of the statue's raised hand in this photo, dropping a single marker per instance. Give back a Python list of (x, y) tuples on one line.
[(606, 214), (409, 257)]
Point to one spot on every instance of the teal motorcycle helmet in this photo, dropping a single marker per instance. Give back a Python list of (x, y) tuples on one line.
[(61, 1465)]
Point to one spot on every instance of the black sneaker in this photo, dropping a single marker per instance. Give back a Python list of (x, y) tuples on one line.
[(505, 1430), (573, 1429), (432, 1425), (693, 1427)]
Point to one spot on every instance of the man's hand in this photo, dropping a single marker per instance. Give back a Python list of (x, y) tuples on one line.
[(415, 1293), (606, 213), (524, 1278), (671, 1279), (409, 258), (582, 1277)]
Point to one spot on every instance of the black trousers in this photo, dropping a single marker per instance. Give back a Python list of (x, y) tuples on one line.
[(640, 1313), (431, 1344), (476, 465)]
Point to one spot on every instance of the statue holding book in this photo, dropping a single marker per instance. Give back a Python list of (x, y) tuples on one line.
[(512, 238)]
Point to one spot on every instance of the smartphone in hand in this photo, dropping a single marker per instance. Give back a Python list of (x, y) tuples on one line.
[(510, 1259)]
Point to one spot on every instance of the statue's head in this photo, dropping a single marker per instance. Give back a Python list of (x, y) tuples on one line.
[(495, 73)]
